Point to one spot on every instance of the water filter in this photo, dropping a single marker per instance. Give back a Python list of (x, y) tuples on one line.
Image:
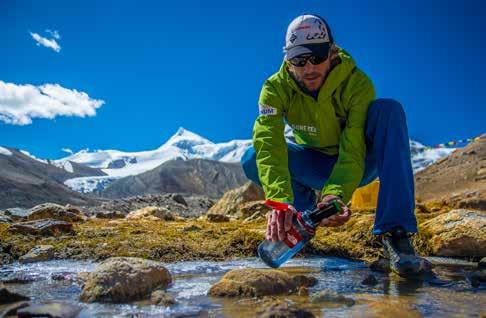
[(303, 229)]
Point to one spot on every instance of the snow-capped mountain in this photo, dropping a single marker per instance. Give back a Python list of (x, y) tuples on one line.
[(117, 164), (423, 156), (183, 144), (5, 151), (188, 145)]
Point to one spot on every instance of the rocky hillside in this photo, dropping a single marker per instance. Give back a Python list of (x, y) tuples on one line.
[(463, 173), (197, 176), (25, 181)]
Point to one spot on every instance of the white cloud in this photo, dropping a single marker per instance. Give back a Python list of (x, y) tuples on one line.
[(20, 103), (54, 33), (69, 151), (52, 44)]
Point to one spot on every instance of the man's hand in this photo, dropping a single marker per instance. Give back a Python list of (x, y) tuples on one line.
[(278, 223), (336, 219)]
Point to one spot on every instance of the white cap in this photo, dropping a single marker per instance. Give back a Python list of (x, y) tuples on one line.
[(307, 34)]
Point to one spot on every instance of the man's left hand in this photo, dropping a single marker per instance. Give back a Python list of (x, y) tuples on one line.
[(336, 219)]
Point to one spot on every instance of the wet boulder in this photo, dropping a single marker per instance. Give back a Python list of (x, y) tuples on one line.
[(282, 309), (54, 211), (251, 282), (162, 298), (304, 280), (477, 278), (152, 213), (38, 253), (46, 227), (124, 279), (50, 309), (457, 233), (369, 280), (7, 297), (482, 263), (10, 310)]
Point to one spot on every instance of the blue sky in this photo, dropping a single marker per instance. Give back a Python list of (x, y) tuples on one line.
[(159, 65)]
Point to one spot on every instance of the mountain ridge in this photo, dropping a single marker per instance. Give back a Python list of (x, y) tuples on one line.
[(186, 145)]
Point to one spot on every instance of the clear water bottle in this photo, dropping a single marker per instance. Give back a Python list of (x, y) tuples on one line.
[(303, 229)]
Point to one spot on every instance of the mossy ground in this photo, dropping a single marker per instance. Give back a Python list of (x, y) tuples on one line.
[(192, 239), (158, 240)]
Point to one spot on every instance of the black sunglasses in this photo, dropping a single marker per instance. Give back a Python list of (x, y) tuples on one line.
[(301, 60)]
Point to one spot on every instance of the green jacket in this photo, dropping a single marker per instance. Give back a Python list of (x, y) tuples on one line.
[(316, 123)]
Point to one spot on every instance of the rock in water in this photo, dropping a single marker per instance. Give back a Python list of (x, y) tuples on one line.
[(124, 279), (250, 282), (283, 309), (11, 309), (66, 213), (482, 263), (477, 278), (38, 253), (50, 309), (161, 298), (304, 280), (458, 233), (42, 227), (370, 280), (7, 297)]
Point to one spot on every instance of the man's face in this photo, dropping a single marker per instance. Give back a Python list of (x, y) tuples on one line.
[(311, 76)]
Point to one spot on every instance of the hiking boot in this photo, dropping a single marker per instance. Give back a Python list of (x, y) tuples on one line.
[(400, 253)]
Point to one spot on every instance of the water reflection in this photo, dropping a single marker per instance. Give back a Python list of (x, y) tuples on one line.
[(397, 286), (446, 295)]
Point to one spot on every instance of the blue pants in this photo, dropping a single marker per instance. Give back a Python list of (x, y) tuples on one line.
[(387, 157)]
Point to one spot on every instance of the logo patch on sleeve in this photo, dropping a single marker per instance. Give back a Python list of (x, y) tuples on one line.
[(267, 110)]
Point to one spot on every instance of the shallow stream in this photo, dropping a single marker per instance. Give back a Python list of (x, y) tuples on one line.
[(193, 279)]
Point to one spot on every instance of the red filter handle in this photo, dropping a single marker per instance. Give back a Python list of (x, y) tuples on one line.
[(280, 206)]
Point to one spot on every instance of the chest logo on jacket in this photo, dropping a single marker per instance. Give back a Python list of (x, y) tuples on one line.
[(310, 130)]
